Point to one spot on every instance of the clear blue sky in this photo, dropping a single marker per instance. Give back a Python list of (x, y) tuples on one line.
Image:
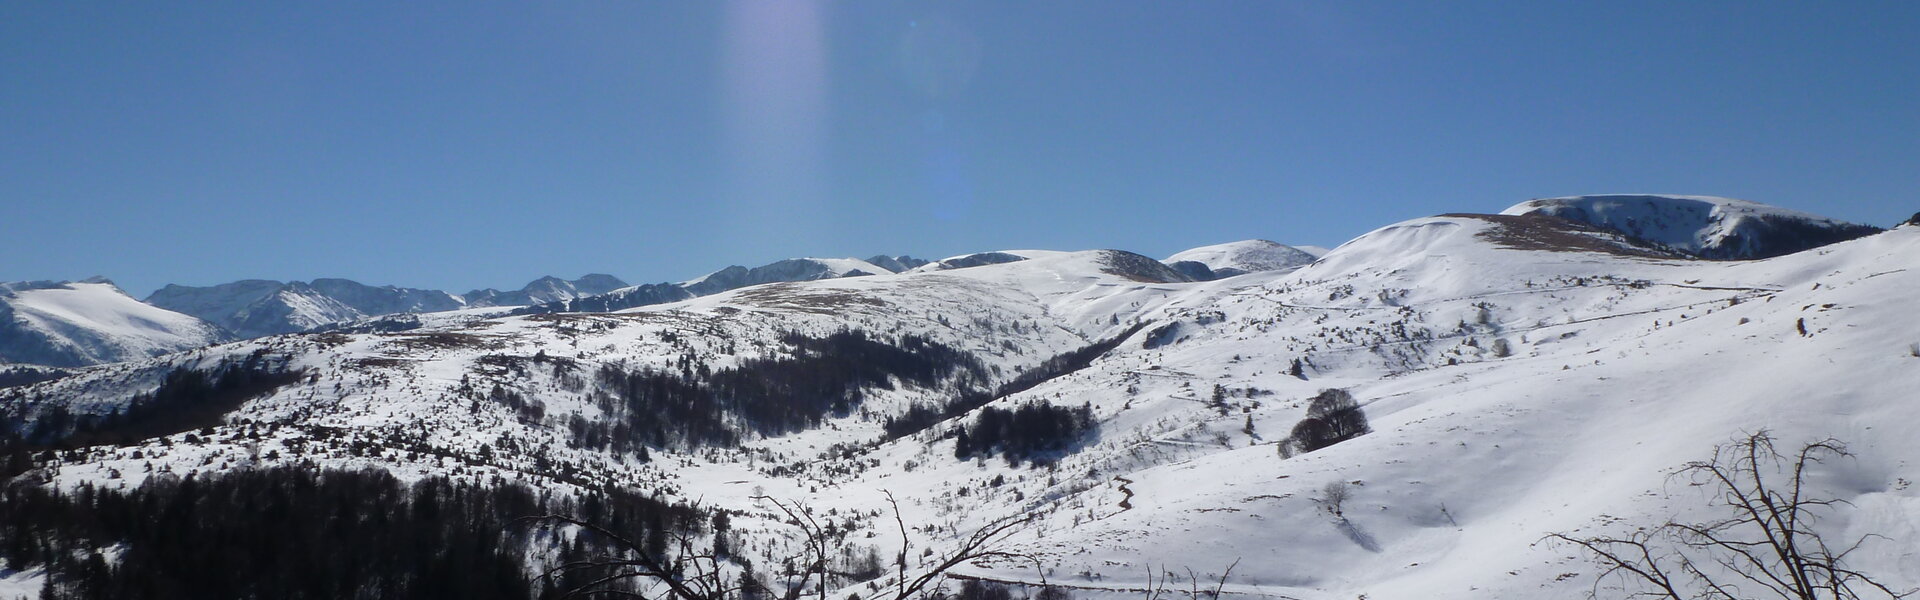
[(479, 144)]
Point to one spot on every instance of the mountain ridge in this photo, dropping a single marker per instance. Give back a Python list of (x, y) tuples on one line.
[(1704, 226)]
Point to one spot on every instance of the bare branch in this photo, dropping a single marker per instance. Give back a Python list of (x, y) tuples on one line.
[(1769, 543), (900, 561)]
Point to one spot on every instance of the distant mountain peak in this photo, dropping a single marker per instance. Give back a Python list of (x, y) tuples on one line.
[(258, 307), (545, 289), (896, 264), (1236, 258), (792, 269), (1703, 226), (726, 279), (977, 259), (87, 322)]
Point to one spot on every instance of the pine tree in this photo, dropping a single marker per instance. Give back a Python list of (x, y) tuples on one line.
[(962, 445)]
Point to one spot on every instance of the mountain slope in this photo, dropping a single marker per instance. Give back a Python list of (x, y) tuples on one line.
[(89, 322), (1704, 226), (1522, 374), (1513, 392)]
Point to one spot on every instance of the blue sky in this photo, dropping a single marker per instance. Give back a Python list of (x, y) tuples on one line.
[(479, 144)]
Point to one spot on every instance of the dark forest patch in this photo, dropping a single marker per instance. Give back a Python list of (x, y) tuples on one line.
[(187, 399), (296, 533), (690, 404)]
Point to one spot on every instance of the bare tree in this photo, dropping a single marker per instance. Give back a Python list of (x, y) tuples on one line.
[(692, 574), (1158, 587), (1768, 548), (1334, 497)]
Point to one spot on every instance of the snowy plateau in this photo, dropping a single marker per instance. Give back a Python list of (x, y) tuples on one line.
[(1537, 371)]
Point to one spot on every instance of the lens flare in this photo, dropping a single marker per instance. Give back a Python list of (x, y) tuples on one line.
[(774, 98)]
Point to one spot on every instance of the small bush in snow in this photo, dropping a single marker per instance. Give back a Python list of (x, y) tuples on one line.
[(1333, 417)]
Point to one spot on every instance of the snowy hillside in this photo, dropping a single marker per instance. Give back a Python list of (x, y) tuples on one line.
[(1522, 374), (1237, 258), (89, 322), (1513, 392), (1705, 226)]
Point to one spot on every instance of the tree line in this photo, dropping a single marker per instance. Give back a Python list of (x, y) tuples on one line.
[(298, 533), (921, 416), (822, 377), (186, 400)]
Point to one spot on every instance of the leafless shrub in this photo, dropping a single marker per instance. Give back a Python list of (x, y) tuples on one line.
[(694, 574), (1159, 584), (1767, 549), (1334, 497)]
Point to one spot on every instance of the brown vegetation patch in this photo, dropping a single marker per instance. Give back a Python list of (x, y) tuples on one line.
[(806, 299), (1556, 234), (502, 363), (591, 317), (330, 339), (440, 340)]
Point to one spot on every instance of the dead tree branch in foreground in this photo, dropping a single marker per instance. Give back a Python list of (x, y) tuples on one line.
[(694, 575), (1768, 548)]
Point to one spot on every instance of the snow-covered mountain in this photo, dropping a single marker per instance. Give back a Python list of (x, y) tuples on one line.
[(978, 259), (1238, 258), (732, 277), (1522, 374), (545, 289), (89, 322), (896, 264), (254, 307), (793, 269), (1704, 226)]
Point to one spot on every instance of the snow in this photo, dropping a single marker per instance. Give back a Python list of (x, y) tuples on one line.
[(21, 584), (1513, 392), (1247, 256), (1691, 223), (977, 259), (813, 268), (1515, 448), (100, 323)]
